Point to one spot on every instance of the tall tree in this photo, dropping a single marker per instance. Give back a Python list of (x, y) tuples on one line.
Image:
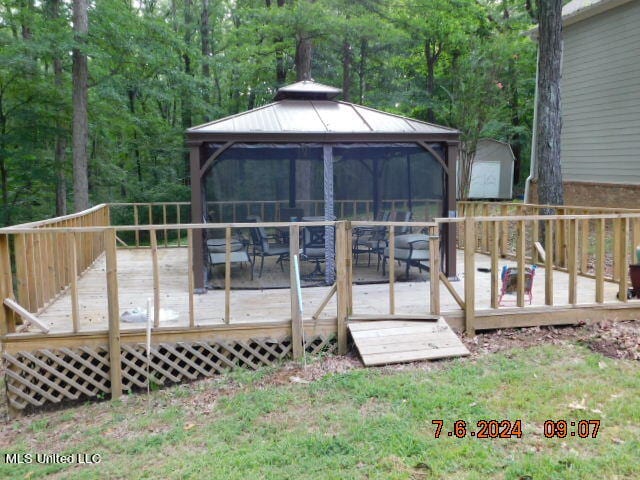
[(80, 132), (549, 122), (60, 149)]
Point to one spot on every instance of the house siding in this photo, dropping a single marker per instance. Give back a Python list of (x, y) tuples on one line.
[(601, 98)]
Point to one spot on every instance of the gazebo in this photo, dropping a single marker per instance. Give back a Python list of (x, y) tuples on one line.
[(307, 147)]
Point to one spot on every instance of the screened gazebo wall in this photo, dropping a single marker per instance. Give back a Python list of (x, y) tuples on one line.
[(259, 179)]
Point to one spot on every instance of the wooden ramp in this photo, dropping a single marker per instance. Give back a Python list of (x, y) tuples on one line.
[(381, 342)]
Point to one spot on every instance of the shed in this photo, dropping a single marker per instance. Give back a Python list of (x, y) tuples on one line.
[(492, 171), (307, 148)]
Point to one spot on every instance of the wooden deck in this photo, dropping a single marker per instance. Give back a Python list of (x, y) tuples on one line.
[(90, 352), (268, 305)]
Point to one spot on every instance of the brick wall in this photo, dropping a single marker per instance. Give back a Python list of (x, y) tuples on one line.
[(593, 194)]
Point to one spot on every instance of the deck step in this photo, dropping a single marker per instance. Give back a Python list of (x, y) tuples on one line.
[(381, 342)]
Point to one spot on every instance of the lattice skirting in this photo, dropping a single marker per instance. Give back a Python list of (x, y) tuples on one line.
[(36, 378)]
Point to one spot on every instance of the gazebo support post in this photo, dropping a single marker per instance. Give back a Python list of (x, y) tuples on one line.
[(376, 189), (450, 228), (292, 182), (329, 244), (196, 217)]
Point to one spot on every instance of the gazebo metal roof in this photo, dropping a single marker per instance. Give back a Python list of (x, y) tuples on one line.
[(307, 107)]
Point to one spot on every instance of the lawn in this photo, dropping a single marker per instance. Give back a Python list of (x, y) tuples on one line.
[(357, 423)]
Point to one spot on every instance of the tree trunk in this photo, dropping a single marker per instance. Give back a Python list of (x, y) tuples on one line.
[(347, 64), (60, 152), (304, 49), (362, 67), (80, 134), (60, 156), (281, 67), (549, 121), (431, 55), (205, 37), (186, 95)]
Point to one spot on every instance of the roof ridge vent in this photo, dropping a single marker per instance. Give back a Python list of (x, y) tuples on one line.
[(307, 90)]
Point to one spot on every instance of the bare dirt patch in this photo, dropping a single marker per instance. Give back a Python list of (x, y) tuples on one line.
[(619, 340)]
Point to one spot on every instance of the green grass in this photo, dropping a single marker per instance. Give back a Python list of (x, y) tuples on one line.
[(369, 424)]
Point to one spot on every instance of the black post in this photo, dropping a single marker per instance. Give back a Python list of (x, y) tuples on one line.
[(376, 189), (292, 182)]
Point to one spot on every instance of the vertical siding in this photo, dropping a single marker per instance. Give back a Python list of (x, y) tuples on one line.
[(601, 97)]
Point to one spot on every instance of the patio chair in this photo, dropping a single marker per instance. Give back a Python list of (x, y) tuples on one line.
[(366, 239), (288, 215), (313, 248), (217, 249), (412, 249), (398, 216), (261, 247), (509, 277)]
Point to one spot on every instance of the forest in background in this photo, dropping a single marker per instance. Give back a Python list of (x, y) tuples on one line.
[(157, 67)]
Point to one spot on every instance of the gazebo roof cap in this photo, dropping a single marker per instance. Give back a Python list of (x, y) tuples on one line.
[(307, 90)]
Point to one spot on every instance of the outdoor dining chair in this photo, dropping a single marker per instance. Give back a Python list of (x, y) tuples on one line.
[(217, 249), (367, 239), (313, 248), (262, 247), (412, 249)]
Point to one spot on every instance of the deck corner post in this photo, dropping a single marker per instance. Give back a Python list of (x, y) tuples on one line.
[(469, 276), (434, 271), (7, 317), (113, 307), (297, 347), (342, 288)]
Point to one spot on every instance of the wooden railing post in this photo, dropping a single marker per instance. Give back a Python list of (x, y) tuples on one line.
[(584, 245), (548, 261), (227, 276), (349, 265), (623, 259), (192, 318), (156, 277), (342, 290), (600, 254), (7, 317), (572, 253), (469, 276), (434, 271), (616, 249), (73, 277), (495, 253), (392, 270), (520, 251), (297, 346), (113, 307), (135, 222), (504, 227)]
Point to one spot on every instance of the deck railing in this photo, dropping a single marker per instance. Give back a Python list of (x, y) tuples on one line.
[(47, 259), (151, 213), (49, 255), (587, 227)]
